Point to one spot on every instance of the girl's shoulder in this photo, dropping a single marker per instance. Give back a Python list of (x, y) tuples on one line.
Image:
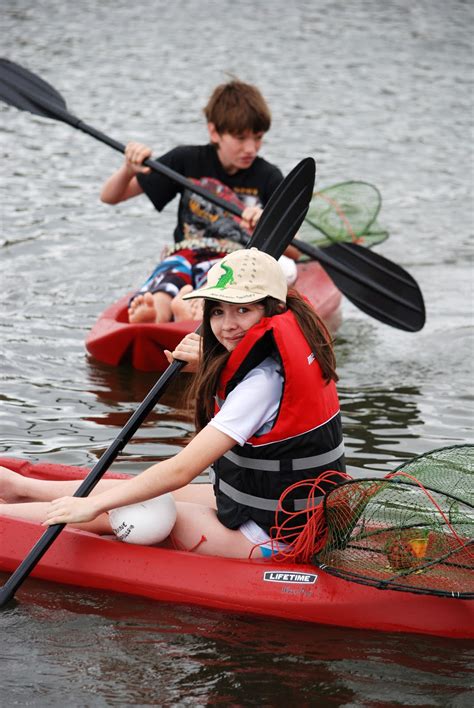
[(270, 369)]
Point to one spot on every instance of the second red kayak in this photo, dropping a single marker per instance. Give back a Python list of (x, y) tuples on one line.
[(114, 340)]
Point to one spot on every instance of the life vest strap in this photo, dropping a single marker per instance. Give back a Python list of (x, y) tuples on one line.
[(260, 502), (300, 463)]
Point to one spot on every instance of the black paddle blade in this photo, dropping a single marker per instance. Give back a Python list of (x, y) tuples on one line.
[(26, 91), (285, 211), (374, 284)]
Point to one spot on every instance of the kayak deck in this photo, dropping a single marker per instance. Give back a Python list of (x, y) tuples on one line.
[(114, 340), (259, 587)]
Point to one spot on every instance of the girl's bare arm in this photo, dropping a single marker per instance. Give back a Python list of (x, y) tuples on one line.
[(167, 476)]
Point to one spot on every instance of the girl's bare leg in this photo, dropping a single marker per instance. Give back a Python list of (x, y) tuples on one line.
[(36, 511), (14, 487), (197, 493), (197, 528)]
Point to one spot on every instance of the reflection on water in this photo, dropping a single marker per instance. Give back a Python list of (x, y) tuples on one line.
[(377, 422), (115, 385), (120, 390), (378, 425), (193, 656)]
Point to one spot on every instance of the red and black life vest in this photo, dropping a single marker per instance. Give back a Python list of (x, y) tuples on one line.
[(305, 440)]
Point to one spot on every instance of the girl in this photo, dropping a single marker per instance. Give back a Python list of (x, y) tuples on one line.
[(267, 417)]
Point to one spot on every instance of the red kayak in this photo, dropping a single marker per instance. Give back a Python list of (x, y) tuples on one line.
[(114, 340), (258, 587)]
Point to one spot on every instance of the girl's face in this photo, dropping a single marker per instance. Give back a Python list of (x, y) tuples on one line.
[(229, 323)]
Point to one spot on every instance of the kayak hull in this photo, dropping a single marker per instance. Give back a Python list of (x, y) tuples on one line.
[(114, 341), (258, 587)]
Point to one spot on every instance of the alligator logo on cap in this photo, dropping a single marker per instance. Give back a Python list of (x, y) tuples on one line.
[(227, 278)]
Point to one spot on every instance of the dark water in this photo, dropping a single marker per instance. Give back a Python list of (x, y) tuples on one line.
[(380, 92)]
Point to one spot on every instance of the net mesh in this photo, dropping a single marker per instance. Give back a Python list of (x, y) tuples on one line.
[(375, 234), (344, 212), (411, 530)]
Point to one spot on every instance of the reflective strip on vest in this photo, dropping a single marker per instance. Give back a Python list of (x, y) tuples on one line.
[(260, 502), (300, 463)]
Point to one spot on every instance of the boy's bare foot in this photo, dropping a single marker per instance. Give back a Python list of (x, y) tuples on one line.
[(186, 309), (150, 307), (10, 486), (142, 309)]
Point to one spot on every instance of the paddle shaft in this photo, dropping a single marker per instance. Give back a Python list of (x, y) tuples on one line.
[(76, 122), (312, 251)]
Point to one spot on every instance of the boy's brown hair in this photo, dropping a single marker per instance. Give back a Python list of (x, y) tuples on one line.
[(235, 107)]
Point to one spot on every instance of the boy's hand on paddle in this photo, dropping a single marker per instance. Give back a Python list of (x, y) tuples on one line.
[(250, 217), (135, 154), (189, 350), (69, 510)]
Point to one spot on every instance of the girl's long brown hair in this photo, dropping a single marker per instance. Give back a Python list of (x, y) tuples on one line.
[(214, 355)]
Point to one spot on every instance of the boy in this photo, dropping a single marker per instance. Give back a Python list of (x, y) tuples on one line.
[(237, 119)]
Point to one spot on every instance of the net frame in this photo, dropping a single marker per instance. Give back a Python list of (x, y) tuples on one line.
[(344, 212)]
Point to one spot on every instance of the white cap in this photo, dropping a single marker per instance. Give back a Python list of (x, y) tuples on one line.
[(248, 275)]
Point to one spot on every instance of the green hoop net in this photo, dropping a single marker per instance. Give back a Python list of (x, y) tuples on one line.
[(344, 212), (412, 530)]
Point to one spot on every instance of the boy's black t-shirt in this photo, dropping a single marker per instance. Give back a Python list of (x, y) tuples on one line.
[(253, 186)]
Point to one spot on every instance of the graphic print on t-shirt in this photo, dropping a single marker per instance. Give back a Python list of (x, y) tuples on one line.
[(200, 218)]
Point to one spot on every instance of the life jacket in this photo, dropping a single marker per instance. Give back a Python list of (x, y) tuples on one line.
[(305, 440)]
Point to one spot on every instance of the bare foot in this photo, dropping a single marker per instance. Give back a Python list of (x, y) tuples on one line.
[(142, 309), (186, 309), (10, 486)]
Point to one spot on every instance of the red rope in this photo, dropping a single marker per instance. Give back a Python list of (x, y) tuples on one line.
[(312, 533), (178, 546)]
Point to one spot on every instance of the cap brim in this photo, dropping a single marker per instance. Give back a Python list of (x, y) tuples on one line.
[(233, 295)]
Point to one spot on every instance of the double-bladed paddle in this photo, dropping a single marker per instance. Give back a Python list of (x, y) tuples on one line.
[(373, 283), (280, 220)]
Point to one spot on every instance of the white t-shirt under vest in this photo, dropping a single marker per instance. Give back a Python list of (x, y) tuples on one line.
[(251, 408)]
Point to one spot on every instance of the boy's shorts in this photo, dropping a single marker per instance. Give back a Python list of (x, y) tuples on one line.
[(186, 265)]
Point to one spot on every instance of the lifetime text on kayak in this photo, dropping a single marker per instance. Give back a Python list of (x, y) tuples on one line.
[(288, 577)]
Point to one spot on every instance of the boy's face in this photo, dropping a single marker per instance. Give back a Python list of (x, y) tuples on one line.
[(236, 152)]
